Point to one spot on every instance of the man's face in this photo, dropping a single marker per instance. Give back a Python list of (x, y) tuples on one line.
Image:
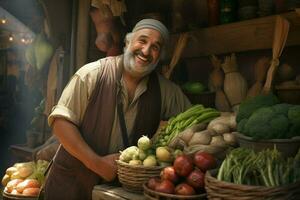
[(142, 53)]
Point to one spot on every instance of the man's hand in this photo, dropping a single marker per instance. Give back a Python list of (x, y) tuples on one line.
[(106, 167)]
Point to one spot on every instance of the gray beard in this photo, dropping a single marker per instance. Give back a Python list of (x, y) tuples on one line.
[(129, 65)]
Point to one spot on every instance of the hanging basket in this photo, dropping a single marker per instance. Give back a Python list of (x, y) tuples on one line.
[(132, 177), (229, 191)]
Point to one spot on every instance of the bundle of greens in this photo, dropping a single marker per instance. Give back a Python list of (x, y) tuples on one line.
[(266, 168), (195, 115)]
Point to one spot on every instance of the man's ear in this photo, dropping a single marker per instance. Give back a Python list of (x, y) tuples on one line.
[(126, 43)]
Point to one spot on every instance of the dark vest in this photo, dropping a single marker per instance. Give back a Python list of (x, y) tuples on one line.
[(68, 177)]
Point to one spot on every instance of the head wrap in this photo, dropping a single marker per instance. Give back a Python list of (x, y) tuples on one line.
[(153, 24)]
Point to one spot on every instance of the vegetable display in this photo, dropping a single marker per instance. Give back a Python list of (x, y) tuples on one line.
[(25, 178), (144, 154), (279, 121), (185, 176), (247, 107), (197, 114), (215, 138), (265, 168)]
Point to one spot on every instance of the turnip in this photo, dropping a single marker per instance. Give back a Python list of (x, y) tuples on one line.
[(163, 154), (144, 143), (150, 161)]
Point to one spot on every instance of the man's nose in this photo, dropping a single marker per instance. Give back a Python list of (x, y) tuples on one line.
[(146, 50)]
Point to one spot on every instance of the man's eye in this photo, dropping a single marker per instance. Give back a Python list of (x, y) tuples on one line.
[(155, 48), (142, 41)]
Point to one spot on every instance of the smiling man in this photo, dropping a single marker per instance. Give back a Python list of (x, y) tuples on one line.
[(107, 106)]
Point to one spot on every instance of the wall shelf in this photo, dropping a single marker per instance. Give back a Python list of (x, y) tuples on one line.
[(240, 36)]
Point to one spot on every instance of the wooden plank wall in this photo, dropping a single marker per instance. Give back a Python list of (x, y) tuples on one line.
[(241, 36)]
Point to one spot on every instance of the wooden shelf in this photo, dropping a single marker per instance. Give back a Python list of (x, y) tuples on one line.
[(237, 37)]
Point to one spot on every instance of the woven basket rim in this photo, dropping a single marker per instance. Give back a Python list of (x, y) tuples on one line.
[(122, 163), (175, 196), (247, 188), (19, 195), (241, 136)]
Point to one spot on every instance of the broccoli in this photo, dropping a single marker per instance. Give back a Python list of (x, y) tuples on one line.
[(241, 125), (294, 114), (268, 123), (294, 130), (248, 106), (282, 108)]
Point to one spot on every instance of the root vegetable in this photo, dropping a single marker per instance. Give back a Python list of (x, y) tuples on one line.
[(153, 182), (218, 151), (15, 192), (135, 162), (227, 118), (196, 179), (31, 191), (230, 139), (204, 161), (168, 173), (163, 154), (150, 161), (28, 183), (219, 128), (218, 140), (188, 133), (12, 184), (203, 137), (183, 165), (25, 171), (184, 189), (165, 186), (144, 143), (5, 180), (11, 170)]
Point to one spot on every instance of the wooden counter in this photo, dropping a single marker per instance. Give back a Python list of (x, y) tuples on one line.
[(109, 192)]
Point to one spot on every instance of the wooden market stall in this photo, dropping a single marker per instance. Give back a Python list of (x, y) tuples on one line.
[(205, 47)]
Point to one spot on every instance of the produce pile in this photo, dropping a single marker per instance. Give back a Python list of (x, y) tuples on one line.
[(265, 168), (25, 178), (262, 117), (144, 154), (197, 114), (215, 137), (185, 176)]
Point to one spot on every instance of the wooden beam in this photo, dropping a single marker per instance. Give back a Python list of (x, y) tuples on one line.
[(237, 37)]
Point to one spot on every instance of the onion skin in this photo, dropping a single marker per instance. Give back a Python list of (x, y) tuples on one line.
[(183, 165)]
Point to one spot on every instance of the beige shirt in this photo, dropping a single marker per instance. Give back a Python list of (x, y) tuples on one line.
[(75, 98)]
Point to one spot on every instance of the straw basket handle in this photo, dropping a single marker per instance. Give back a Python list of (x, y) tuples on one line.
[(280, 35)]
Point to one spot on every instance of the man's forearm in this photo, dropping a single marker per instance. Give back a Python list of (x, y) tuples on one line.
[(71, 139)]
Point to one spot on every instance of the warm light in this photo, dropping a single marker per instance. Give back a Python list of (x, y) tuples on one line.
[(23, 40), (3, 21), (11, 38)]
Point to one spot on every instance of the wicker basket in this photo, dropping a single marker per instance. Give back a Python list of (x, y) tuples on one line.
[(153, 195), (220, 190), (132, 177), (288, 147), (8, 196)]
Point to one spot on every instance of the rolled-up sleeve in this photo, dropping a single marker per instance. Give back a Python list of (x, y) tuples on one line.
[(72, 103)]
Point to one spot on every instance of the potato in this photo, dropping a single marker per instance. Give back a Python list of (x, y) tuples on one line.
[(31, 191), (12, 184), (11, 170), (15, 192), (5, 180), (28, 183)]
